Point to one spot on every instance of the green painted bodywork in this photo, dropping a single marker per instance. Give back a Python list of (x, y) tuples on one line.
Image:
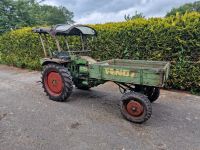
[(87, 72), (149, 73)]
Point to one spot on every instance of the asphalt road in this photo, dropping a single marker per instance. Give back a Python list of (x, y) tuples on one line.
[(91, 120)]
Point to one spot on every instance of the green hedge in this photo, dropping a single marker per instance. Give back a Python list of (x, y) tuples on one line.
[(21, 48), (175, 39)]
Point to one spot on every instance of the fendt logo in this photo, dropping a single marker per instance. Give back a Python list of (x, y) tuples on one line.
[(119, 72)]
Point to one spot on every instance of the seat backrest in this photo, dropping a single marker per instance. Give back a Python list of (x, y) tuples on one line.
[(89, 59)]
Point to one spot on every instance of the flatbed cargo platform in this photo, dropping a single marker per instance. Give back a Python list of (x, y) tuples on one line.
[(150, 73)]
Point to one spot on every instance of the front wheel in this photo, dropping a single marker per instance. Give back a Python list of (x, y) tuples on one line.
[(57, 82), (135, 107)]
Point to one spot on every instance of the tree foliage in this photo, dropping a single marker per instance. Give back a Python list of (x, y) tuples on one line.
[(20, 13), (189, 7), (136, 16)]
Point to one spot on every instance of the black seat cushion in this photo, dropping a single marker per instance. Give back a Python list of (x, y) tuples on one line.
[(61, 55)]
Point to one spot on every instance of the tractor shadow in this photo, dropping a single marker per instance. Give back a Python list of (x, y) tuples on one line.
[(104, 101), (164, 114)]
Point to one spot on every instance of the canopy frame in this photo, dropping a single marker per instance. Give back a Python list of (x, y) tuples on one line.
[(82, 31)]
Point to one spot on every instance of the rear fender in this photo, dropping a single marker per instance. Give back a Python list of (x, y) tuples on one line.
[(47, 61)]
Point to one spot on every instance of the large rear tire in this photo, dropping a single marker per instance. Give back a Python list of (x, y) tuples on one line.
[(57, 82), (135, 107)]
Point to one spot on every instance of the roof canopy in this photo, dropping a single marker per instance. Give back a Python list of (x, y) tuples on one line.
[(67, 30)]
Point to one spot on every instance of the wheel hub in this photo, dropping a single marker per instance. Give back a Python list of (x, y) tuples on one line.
[(135, 108), (54, 83)]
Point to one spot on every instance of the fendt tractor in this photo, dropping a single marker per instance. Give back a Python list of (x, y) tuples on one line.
[(139, 81)]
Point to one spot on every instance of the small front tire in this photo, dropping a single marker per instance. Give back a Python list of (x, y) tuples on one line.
[(136, 107)]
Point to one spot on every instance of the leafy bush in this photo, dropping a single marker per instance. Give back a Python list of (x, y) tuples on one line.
[(175, 39), (21, 48)]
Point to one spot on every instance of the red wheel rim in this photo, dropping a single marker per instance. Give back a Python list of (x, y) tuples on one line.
[(135, 108), (54, 83)]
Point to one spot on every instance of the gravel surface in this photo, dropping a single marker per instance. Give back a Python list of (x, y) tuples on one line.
[(91, 120)]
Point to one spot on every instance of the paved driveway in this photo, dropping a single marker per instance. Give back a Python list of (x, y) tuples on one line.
[(91, 120)]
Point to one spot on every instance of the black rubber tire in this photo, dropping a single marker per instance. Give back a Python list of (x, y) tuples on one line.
[(66, 79), (143, 100), (153, 93)]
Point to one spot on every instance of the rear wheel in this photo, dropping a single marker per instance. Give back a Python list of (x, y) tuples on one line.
[(135, 107), (57, 82)]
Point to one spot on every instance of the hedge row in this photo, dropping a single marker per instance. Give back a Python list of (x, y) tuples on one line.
[(175, 39)]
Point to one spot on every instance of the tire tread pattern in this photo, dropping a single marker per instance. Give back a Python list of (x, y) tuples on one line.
[(141, 98), (67, 82)]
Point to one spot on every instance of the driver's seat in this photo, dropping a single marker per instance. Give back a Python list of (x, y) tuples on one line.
[(62, 55), (89, 59)]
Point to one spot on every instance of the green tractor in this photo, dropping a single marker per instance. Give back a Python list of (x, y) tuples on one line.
[(139, 81)]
